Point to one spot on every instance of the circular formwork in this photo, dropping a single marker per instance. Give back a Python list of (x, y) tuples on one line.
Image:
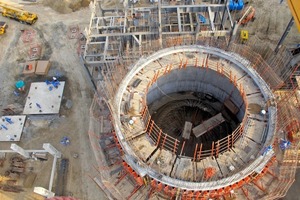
[(201, 98), (197, 77)]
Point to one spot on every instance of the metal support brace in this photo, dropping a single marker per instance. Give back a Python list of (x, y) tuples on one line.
[(179, 20), (223, 16), (286, 32), (136, 39), (211, 19), (160, 25), (105, 46)]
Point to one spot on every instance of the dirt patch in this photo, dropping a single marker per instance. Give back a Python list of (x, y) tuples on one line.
[(271, 19), (66, 6)]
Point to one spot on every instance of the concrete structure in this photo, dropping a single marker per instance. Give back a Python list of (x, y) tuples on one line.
[(158, 83), (30, 154), (44, 99), (12, 131), (163, 78), (131, 29)]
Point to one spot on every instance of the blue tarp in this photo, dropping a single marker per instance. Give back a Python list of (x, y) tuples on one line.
[(236, 4), (65, 141), (266, 150), (202, 19), (20, 84), (284, 144), (8, 120), (54, 83)]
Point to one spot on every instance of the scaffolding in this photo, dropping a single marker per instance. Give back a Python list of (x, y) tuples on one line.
[(282, 172), (117, 39)]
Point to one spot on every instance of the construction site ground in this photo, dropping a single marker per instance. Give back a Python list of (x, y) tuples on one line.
[(51, 32)]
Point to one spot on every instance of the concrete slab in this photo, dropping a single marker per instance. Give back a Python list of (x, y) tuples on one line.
[(11, 131), (183, 169), (41, 100), (143, 147)]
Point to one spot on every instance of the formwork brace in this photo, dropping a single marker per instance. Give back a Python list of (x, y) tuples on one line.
[(185, 64), (246, 192), (134, 191), (271, 173), (124, 173), (259, 186), (182, 147)]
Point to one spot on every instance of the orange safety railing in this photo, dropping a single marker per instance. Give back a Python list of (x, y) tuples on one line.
[(167, 142), (286, 121), (255, 178)]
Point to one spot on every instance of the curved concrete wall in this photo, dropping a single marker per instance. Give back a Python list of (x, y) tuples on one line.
[(142, 169), (197, 80)]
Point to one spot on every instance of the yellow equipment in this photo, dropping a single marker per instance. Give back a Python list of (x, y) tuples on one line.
[(18, 14), (295, 9), (2, 27), (4, 178), (244, 35)]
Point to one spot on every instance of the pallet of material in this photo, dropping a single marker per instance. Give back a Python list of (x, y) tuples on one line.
[(29, 68), (42, 67)]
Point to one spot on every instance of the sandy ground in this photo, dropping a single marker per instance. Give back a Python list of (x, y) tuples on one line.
[(271, 20), (51, 32)]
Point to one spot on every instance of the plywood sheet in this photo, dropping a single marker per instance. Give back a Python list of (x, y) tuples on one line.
[(208, 125), (42, 67)]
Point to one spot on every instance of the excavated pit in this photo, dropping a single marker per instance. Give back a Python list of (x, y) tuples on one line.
[(195, 95)]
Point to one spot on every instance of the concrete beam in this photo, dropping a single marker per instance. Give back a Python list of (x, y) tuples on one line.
[(19, 150), (52, 150)]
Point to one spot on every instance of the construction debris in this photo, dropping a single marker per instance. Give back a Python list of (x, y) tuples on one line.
[(10, 188), (62, 177)]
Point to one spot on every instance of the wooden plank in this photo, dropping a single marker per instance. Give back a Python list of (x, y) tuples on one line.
[(208, 125), (187, 130)]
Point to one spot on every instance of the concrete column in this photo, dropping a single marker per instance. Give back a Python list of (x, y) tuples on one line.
[(52, 150), (19, 150)]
